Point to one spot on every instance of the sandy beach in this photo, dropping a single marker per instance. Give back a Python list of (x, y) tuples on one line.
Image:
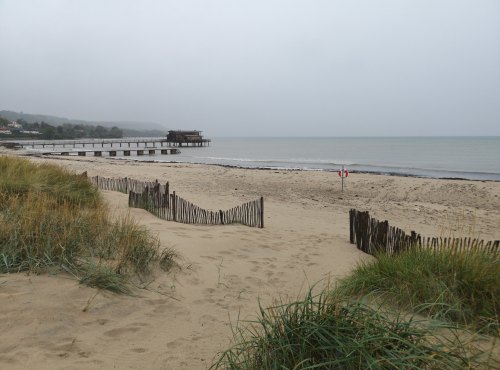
[(182, 319)]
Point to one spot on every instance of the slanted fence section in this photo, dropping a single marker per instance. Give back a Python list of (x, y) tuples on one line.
[(372, 236), (171, 207), (156, 199), (124, 185)]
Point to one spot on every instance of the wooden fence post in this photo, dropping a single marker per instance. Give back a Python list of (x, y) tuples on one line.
[(174, 206), (261, 212), (167, 194), (351, 226)]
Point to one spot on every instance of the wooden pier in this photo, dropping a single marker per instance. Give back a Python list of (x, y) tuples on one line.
[(83, 143), (111, 152), (111, 147), (98, 147)]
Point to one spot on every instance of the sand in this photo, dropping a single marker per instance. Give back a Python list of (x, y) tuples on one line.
[(183, 318)]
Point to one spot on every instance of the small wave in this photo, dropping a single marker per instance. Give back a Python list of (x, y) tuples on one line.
[(292, 161), (370, 169)]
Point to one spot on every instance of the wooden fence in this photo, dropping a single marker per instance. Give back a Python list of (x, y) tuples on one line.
[(124, 185), (372, 236), (173, 208), (156, 199)]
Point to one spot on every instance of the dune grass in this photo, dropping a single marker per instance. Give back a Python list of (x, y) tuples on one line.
[(324, 332), (461, 287), (421, 309), (19, 177), (50, 218)]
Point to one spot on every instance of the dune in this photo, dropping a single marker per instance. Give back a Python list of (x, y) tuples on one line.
[(182, 319)]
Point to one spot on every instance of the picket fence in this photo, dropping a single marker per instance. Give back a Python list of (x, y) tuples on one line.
[(125, 184), (173, 208), (156, 199), (373, 236)]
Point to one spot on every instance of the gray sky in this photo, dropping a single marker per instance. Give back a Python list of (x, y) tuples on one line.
[(258, 67)]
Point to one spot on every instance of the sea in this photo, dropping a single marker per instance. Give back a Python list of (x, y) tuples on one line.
[(475, 158)]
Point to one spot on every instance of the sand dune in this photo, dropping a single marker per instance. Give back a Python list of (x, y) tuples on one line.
[(183, 318)]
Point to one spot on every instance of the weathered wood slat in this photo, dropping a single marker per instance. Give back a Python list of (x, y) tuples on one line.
[(156, 198), (372, 236)]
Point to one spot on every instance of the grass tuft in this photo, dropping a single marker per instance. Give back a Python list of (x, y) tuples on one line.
[(168, 259), (462, 287), (50, 218), (20, 176), (324, 333), (103, 277)]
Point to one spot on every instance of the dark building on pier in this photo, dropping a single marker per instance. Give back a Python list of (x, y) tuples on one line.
[(189, 138)]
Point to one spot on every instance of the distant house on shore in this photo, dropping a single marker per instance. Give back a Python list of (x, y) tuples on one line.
[(190, 138), (15, 125), (5, 131)]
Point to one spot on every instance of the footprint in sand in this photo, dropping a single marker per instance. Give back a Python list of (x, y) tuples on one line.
[(99, 321), (121, 331), (210, 257), (173, 344), (207, 318)]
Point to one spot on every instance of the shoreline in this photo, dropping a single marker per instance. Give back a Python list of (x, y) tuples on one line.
[(470, 158), (383, 173), (269, 168)]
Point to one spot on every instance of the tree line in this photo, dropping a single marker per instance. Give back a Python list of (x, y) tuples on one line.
[(64, 131)]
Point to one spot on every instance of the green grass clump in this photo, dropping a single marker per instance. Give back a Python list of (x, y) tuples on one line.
[(324, 333), (103, 277), (463, 287), (50, 218), (20, 176)]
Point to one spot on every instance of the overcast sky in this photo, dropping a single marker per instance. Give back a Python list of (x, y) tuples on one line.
[(258, 67)]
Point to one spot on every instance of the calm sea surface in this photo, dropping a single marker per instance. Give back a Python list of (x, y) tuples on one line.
[(453, 157), (476, 158)]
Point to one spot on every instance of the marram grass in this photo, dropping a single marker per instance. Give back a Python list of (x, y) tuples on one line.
[(20, 176), (321, 332), (50, 218), (461, 287)]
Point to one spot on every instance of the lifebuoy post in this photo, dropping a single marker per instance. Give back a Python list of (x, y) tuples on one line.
[(343, 173)]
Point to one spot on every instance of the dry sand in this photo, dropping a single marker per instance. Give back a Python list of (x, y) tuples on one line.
[(183, 319)]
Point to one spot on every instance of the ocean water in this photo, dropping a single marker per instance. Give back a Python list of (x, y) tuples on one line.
[(475, 158)]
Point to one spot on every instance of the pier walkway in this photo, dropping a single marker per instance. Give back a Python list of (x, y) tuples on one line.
[(97, 147), (111, 152), (82, 143)]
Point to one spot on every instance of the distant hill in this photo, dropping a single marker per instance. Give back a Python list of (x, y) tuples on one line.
[(129, 128)]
